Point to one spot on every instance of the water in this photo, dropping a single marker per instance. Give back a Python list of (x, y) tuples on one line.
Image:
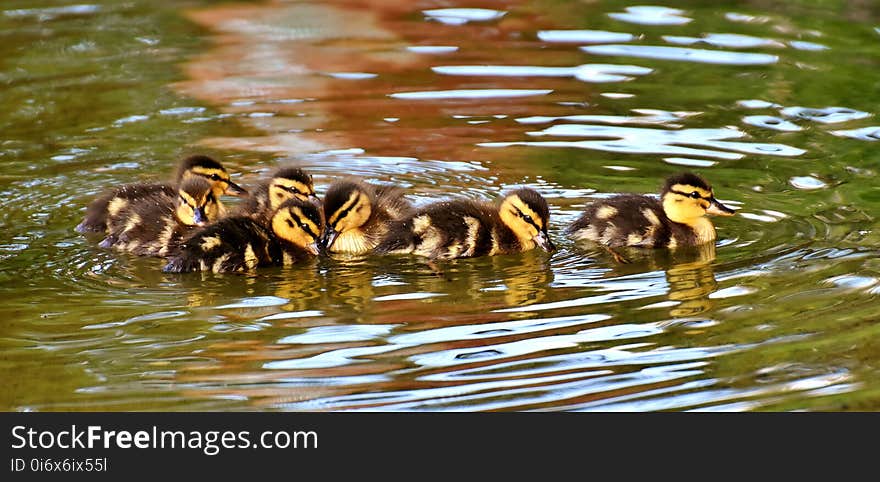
[(578, 100)]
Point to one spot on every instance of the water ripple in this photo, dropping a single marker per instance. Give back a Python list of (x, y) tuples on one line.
[(651, 15), (461, 16), (636, 140), (682, 54), (584, 36)]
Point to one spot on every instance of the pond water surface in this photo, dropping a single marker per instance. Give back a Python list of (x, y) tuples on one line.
[(774, 102)]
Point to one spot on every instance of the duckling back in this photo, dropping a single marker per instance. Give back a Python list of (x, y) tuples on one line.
[(241, 243), (465, 229), (624, 220), (153, 226), (677, 218), (446, 230), (110, 203), (236, 243)]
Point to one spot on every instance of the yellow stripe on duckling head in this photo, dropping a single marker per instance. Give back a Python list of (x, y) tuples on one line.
[(526, 213), (281, 190), (196, 204), (300, 223)]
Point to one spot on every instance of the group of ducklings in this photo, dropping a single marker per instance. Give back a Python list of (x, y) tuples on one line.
[(282, 221)]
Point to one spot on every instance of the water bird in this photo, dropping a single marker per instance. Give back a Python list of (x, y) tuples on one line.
[(114, 200), (466, 228), (677, 218), (358, 215), (286, 183), (154, 225), (241, 243)]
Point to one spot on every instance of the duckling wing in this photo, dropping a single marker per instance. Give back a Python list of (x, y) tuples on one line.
[(146, 227), (235, 243), (624, 220), (113, 201)]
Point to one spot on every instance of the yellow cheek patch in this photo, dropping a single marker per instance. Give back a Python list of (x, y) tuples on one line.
[(527, 211), (188, 199), (347, 206), (298, 214)]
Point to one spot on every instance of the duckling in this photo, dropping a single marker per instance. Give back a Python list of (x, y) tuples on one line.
[(465, 228), (676, 219), (358, 215), (113, 201), (156, 224), (241, 243), (286, 183)]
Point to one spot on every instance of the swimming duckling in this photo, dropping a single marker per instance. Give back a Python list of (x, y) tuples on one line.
[(676, 219), (465, 229), (358, 215), (240, 243), (156, 224), (113, 201), (286, 183)]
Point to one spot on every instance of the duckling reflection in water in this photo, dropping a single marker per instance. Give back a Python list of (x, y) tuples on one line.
[(465, 228), (691, 280), (676, 219), (286, 183), (155, 225), (241, 243), (112, 202)]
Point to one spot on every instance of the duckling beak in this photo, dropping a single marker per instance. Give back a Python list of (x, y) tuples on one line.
[(234, 189), (543, 241), (199, 216), (719, 209), (328, 238), (313, 248), (314, 199)]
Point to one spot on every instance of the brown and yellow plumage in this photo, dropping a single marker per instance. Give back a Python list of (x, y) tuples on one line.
[(155, 225), (358, 215), (112, 202), (677, 218), (241, 243), (464, 228), (286, 183)]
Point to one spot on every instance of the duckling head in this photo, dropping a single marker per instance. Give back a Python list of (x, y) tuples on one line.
[(291, 182), (299, 222), (688, 197), (196, 204), (209, 169), (526, 213), (348, 205)]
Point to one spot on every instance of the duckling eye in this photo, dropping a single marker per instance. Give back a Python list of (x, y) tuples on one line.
[(695, 195), (528, 219), (215, 177)]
